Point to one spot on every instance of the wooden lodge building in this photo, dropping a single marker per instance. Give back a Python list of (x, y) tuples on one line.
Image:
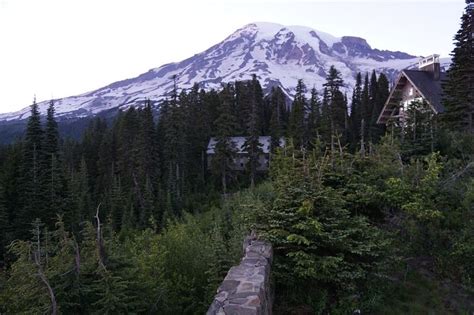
[(241, 158), (424, 84)]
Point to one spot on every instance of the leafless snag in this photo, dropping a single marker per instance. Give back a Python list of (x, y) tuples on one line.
[(100, 241)]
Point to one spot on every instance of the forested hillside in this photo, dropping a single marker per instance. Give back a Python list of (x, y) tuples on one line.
[(132, 219)]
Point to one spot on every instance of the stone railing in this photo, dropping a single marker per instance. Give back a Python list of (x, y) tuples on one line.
[(246, 288)]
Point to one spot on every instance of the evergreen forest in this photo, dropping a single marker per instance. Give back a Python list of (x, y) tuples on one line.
[(135, 218)]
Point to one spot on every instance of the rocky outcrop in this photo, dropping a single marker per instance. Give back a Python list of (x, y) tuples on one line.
[(246, 289)]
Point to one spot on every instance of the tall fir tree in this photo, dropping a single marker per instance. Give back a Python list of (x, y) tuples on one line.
[(225, 149), (32, 170), (278, 117), (80, 205), (297, 115), (53, 184), (313, 119), (383, 91), (252, 144), (419, 132), (365, 110), (356, 112), (337, 107), (325, 125), (459, 87)]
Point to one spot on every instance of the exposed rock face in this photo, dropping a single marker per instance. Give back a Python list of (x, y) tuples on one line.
[(279, 55), (246, 288)]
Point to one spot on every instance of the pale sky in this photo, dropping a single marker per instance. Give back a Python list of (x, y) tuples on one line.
[(59, 48)]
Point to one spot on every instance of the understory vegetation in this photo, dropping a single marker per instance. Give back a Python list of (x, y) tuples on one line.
[(138, 217)]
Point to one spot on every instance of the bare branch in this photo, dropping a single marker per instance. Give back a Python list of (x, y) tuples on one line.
[(100, 243), (54, 307)]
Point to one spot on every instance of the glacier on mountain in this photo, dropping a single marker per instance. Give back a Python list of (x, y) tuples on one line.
[(277, 54)]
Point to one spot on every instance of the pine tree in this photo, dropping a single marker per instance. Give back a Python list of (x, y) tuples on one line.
[(383, 91), (147, 166), (252, 144), (175, 145), (51, 134), (279, 116), (365, 109), (356, 112), (325, 128), (32, 170), (198, 132), (459, 87), (106, 163), (419, 130), (313, 119), (225, 150), (11, 182), (336, 106), (373, 92), (80, 203), (317, 242), (116, 203), (52, 176), (297, 116), (91, 145)]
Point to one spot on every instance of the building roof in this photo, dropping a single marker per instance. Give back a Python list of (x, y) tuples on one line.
[(239, 142), (429, 88)]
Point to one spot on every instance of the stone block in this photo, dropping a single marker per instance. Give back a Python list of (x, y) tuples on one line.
[(246, 287)]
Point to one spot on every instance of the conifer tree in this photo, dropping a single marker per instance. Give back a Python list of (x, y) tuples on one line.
[(51, 134), (459, 87), (309, 227), (32, 171), (356, 112), (313, 119), (278, 119), (12, 190), (373, 92), (383, 91), (174, 145), (325, 127), (91, 143), (336, 106), (52, 177), (225, 149), (419, 130), (106, 163), (252, 144), (297, 115), (198, 132), (365, 109), (147, 165), (80, 203)]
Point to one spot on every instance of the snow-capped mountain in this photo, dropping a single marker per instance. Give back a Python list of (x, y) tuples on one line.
[(277, 54)]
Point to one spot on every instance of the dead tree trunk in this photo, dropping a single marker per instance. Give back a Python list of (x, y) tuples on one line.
[(100, 241)]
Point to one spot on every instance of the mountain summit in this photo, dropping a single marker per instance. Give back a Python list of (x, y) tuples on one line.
[(277, 54)]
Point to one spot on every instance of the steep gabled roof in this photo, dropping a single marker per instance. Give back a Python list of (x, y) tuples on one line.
[(429, 88)]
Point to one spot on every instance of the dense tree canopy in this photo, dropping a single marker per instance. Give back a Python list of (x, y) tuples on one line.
[(136, 218)]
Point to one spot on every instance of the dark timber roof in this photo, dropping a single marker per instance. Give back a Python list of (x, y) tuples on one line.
[(424, 82), (430, 88)]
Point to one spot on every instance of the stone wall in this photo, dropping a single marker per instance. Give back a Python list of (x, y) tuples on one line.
[(246, 288)]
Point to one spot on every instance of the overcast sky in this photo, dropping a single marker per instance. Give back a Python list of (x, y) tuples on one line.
[(59, 48)]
